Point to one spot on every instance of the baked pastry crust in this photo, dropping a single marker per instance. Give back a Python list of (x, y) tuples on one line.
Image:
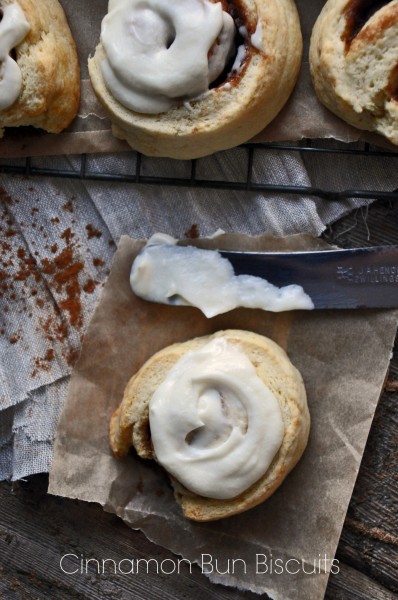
[(229, 114), (354, 63), (48, 60), (129, 424)]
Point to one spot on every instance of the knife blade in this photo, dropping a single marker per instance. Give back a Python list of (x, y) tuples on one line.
[(355, 278)]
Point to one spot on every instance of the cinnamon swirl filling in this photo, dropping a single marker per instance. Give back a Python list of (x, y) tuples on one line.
[(354, 63), (357, 14), (392, 88)]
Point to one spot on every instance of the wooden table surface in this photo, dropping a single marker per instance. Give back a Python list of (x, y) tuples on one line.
[(36, 529)]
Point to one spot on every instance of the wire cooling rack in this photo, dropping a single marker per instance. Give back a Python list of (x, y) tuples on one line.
[(80, 169)]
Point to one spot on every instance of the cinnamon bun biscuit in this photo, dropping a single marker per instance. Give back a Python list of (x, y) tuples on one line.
[(40, 84), (187, 78), (226, 416), (354, 63)]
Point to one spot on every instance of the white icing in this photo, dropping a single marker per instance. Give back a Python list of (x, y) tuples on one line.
[(240, 57), (214, 424), (256, 39), (160, 53), (187, 276), (13, 29)]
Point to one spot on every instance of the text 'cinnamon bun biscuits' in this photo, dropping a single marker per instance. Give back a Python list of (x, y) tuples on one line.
[(354, 63), (187, 78), (226, 416), (40, 83)]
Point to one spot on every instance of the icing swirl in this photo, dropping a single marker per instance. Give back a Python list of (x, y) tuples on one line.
[(160, 53), (215, 425), (13, 29)]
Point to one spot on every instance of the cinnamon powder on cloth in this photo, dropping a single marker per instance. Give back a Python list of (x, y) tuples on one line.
[(343, 357), (46, 280)]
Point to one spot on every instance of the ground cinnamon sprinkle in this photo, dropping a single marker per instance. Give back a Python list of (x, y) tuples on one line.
[(71, 357), (27, 268), (48, 290), (64, 271), (73, 306), (43, 363), (53, 331), (5, 246), (90, 286), (49, 355), (68, 206), (67, 235), (92, 232), (5, 197), (21, 277), (193, 232)]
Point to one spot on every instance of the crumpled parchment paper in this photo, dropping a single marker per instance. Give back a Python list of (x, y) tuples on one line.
[(285, 546)]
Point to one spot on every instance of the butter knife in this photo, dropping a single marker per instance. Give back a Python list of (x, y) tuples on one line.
[(357, 278)]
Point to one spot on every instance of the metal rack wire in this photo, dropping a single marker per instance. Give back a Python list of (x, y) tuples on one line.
[(83, 172)]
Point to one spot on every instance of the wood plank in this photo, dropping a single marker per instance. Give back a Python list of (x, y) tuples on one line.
[(350, 584), (369, 540), (373, 225), (36, 530)]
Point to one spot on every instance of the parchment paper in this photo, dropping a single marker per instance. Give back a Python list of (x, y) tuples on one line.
[(343, 357), (302, 117)]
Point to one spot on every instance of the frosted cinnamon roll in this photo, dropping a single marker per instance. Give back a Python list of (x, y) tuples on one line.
[(39, 70), (13, 29), (225, 415), (186, 78), (354, 63)]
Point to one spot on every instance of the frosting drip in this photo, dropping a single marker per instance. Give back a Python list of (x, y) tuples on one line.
[(215, 425), (13, 29), (160, 53)]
